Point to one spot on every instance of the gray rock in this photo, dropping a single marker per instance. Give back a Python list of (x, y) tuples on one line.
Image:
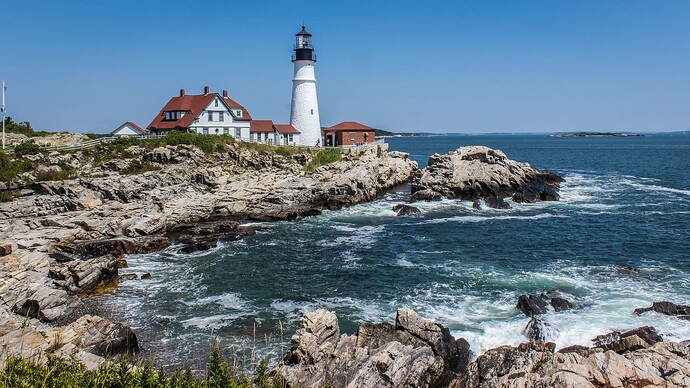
[(481, 172), (406, 210)]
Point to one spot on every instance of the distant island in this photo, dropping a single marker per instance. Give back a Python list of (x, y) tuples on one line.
[(381, 133), (595, 134)]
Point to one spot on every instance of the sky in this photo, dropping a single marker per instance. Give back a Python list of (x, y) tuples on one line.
[(404, 66)]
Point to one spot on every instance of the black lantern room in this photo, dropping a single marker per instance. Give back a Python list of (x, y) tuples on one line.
[(304, 49)]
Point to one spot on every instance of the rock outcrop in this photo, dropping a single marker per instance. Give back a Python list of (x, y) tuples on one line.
[(418, 353), (667, 308), (412, 353), (476, 172), (535, 364)]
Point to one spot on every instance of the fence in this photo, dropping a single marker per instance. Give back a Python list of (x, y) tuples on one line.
[(86, 144)]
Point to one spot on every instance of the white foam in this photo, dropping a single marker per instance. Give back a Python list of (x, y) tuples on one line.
[(472, 219), (228, 300), (656, 188), (405, 263), (213, 321)]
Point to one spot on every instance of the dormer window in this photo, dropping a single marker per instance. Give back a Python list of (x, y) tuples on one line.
[(173, 115), (238, 113)]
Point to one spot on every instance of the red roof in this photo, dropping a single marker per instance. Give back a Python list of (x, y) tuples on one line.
[(193, 105), (285, 128), (261, 126), (349, 126)]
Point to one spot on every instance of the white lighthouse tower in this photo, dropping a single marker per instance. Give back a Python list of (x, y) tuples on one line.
[(304, 114)]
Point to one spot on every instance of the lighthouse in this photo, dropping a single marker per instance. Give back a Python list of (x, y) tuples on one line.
[(304, 114)]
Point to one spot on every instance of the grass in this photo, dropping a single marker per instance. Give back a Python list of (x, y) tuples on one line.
[(56, 345), (137, 167), (66, 172), (324, 156), (6, 196), (58, 372)]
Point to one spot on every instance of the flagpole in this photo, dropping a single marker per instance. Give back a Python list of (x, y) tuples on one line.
[(3, 114)]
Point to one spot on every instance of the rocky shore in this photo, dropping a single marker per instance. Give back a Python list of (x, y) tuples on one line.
[(64, 240), (414, 352)]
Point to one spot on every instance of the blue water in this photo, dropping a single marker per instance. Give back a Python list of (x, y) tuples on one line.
[(625, 203)]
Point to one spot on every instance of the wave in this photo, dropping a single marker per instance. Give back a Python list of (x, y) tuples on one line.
[(471, 219), (214, 321), (656, 188), (228, 300)]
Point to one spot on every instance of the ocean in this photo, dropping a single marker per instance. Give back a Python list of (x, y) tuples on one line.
[(618, 239)]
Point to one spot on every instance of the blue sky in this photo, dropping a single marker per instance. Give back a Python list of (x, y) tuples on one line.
[(437, 66)]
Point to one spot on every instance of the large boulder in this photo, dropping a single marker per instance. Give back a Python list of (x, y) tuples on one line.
[(405, 210), (85, 276), (621, 342), (532, 305), (413, 352), (105, 338), (481, 172)]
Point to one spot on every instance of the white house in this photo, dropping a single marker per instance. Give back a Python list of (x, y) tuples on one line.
[(129, 129), (208, 114), (265, 131)]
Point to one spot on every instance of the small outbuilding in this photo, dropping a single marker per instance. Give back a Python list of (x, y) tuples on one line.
[(265, 131), (348, 133), (129, 129)]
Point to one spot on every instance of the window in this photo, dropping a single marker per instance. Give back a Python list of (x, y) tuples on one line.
[(238, 113), (238, 133), (221, 116), (210, 116), (216, 101), (217, 131), (289, 137), (205, 131), (312, 112), (225, 131), (352, 136)]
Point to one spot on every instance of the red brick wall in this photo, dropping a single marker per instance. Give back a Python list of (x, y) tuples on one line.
[(344, 137)]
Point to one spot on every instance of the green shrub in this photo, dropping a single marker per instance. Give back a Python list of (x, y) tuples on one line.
[(27, 148), (9, 170), (58, 372), (324, 156), (205, 143)]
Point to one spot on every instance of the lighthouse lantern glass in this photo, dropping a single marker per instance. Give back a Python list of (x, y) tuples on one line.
[(303, 41)]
